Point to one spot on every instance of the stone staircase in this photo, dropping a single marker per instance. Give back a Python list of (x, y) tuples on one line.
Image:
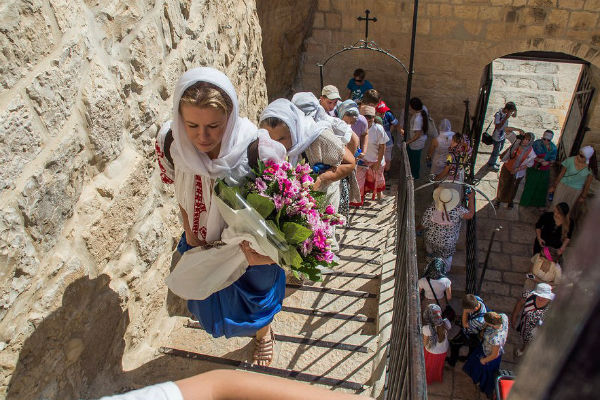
[(328, 333), (541, 90)]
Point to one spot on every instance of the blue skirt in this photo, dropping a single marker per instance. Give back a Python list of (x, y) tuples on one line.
[(485, 375), (244, 307)]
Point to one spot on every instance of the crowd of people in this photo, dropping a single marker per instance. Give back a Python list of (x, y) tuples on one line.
[(483, 331), (349, 142)]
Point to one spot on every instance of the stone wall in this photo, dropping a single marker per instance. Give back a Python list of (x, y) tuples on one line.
[(285, 24), (455, 40), (86, 227)]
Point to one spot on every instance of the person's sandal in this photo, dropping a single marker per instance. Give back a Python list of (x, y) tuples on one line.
[(264, 350)]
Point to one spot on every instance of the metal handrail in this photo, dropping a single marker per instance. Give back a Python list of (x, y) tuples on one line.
[(405, 375)]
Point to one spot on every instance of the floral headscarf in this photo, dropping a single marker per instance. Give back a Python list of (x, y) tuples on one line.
[(432, 316), (436, 269)]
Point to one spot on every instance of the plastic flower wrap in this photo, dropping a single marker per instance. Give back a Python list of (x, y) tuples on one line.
[(293, 216)]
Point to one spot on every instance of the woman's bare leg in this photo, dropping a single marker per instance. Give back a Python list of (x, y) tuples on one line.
[(264, 346)]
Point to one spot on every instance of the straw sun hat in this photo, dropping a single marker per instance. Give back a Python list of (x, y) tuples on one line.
[(445, 197)]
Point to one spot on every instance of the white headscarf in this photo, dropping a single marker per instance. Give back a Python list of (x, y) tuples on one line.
[(588, 152), (303, 129), (239, 133), (309, 104), (445, 125)]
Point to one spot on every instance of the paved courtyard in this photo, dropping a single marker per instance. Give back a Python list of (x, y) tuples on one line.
[(504, 278)]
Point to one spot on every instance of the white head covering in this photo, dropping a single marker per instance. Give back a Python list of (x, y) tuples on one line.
[(347, 106), (588, 152), (445, 125), (304, 129), (309, 104), (240, 132), (548, 134)]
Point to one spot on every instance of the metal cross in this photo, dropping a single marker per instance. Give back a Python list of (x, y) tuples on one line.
[(367, 19)]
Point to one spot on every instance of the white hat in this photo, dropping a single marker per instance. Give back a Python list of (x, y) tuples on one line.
[(444, 196), (544, 290), (331, 92)]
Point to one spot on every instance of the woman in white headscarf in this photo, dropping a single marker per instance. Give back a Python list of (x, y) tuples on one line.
[(304, 138), (341, 127), (573, 182), (208, 140), (438, 150)]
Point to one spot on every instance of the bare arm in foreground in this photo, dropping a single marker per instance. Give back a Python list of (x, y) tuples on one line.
[(230, 384)]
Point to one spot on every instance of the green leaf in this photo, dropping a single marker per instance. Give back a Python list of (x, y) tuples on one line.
[(320, 199), (228, 194), (292, 258), (263, 205), (295, 233)]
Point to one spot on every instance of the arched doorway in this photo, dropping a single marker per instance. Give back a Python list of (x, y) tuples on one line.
[(571, 126)]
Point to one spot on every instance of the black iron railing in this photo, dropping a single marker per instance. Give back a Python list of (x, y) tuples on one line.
[(405, 377)]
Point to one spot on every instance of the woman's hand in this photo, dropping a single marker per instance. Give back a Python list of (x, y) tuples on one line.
[(193, 241), (552, 189), (482, 361), (541, 241), (253, 257)]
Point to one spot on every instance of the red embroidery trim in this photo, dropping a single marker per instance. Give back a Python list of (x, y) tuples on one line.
[(199, 208), (163, 171)]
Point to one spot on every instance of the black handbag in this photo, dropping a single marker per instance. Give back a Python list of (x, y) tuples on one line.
[(448, 312), (486, 138)]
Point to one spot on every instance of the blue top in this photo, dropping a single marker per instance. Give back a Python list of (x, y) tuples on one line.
[(475, 320), (388, 120), (356, 92), (574, 177)]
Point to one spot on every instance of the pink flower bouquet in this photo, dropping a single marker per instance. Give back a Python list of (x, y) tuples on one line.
[(297, 221)]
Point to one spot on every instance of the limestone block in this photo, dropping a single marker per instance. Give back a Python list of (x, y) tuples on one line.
[(20, 142), (592, 5), (174, 22), (68, 13), (491, 13), (446, 10), (433, 10), (546, 68), (104, 113), (571, 4), (151, 238), (145, 54), (319, 21), (25, 38), (515, 278), (109, 232), (117, 19), (333, 21), (473, 27), (50, 195), (583, 20), (55, 90), (19, 257), (466, 12), (443, 28), (325, 5)]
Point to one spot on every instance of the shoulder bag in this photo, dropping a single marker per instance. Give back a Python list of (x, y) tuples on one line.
[(447, 312), (486, 138)]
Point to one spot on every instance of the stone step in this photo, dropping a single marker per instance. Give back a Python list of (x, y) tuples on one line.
[(302, 321), (332, 302), (367, 283), (337, 357)]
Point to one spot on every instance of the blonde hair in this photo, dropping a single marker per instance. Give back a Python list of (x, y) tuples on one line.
[(205, 94)]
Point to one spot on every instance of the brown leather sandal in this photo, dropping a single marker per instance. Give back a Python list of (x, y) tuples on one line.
[(264, 350)]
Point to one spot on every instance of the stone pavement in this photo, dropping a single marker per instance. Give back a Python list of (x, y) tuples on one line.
[(334, 332), (503, 283)]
